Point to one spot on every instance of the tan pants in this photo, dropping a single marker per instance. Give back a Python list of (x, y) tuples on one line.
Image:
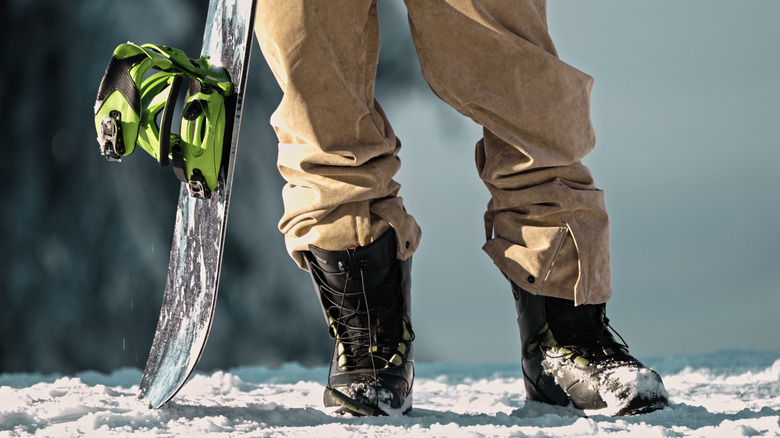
[(491, 60)]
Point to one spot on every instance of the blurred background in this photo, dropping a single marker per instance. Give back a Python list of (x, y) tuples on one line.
[(686, 107)]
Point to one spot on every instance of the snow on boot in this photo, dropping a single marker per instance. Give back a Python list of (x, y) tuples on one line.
[(570, 357), (365, 296)]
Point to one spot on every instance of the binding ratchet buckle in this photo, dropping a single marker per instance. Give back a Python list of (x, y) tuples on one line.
[(111, 145), (134, 107)]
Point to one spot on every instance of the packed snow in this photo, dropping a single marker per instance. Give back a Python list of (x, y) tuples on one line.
[(725, 394)]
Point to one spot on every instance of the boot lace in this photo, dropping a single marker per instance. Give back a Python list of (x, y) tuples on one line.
[(368, 325), (585, 337)]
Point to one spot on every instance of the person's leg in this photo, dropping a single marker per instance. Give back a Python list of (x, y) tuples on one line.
[(547, 225), (343, 221), (494, 62), (337, 150)]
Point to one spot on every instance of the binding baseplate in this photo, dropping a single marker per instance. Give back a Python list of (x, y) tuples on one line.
[(135, 106)]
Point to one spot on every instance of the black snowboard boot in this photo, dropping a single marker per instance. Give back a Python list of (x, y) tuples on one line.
[(570, 357), (365, 296)]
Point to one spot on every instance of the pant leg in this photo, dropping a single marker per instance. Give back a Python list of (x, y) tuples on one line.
[(337, 150), (494, 61)]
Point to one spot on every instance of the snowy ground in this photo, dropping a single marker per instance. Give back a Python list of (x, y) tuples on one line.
[(725, 394)]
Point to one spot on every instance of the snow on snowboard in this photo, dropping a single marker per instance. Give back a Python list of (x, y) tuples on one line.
[(135, 108)]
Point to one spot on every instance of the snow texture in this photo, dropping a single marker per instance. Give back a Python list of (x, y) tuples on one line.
[(632, 382), (726, 394)]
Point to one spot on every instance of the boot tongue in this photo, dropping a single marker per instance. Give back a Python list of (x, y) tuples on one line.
[(380, 328), (576, 325), (369, 323)]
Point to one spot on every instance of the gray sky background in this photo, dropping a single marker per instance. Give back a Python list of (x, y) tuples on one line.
[(686, 106)]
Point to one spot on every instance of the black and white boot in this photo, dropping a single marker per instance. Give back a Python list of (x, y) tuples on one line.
[(571, 358), (365, 296)]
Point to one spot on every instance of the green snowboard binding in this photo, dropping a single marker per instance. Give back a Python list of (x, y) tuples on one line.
[(135, 107)]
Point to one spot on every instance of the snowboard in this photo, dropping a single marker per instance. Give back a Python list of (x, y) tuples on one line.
[(196, 252)]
